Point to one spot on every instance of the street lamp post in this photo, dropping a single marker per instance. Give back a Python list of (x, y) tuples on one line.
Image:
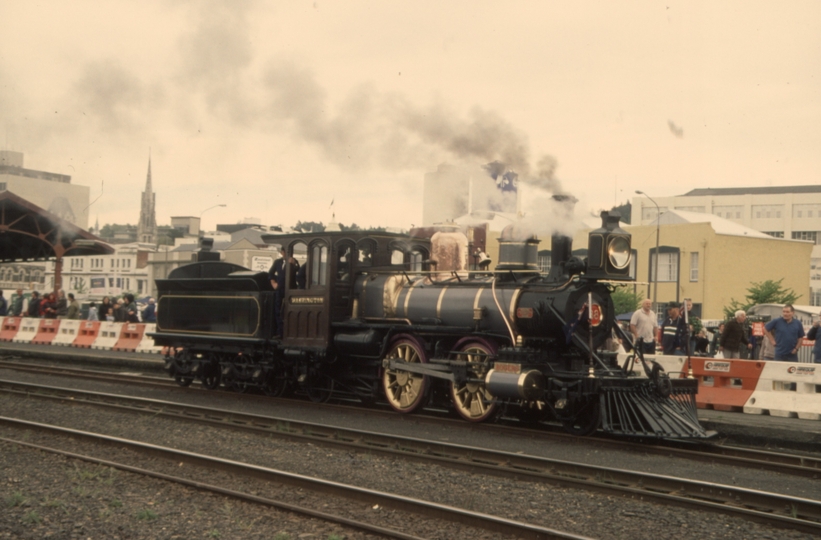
[(210, 208), (656, 271)]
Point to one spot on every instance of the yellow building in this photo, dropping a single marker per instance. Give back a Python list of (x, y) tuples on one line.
[(713, 260)]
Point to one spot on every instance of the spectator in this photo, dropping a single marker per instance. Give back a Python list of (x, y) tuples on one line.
[(674, 331), (92, 312), (17, 304), (813, 335), (48, 307), (785, 334), (150, 312), (734, 335), (34, 304), (61, 305), (643, 326), (119, 311), (106, 312), (715, 340), (4, 306), (130, 309), (701, 343), (767, 351), (73, 310)]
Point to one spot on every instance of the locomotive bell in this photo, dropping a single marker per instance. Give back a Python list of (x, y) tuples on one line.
[(518, 250), (609, 251)]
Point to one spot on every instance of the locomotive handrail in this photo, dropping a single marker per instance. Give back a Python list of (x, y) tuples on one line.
[(580, 342)]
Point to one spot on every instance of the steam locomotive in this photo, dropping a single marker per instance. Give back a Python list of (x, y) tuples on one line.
[(386, 317)]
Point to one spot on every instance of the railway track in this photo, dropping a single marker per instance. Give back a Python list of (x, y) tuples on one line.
[(428, 509), (770, 508), (717, 453)]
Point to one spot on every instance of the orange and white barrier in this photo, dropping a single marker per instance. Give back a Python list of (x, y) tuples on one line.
[(46, 332), (787, 389), (725, 385), (67, 333), (28, 329), (87, 334), (108, 335), (10, 327), (147, 343), (130, 337)]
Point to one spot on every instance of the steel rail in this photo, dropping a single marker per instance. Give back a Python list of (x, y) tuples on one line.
[(795, 464), (107, 376), (780, 462), (408, 504), (767, 507)]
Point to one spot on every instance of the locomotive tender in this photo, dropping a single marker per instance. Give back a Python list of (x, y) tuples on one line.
[(372, 315)]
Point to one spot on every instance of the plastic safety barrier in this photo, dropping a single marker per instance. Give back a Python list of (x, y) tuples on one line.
[(87, 334), (130, 337), (788, 389), (725, 385), (28, 329), (147, 343), (67, 333), (10, 326), (46, 332), (108, 336)]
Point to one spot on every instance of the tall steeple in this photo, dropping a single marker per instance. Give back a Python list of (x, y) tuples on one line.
[(147, 227)]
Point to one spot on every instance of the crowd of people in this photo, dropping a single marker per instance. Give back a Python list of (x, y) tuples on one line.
[(59, 305), (733, 339)]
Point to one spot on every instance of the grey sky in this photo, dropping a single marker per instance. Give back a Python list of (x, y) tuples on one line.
[(275, 108)]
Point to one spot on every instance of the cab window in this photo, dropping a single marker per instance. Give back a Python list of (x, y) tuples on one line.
[(319, 265)]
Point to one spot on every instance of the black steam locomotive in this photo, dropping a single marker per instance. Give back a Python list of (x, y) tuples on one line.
[(383, 316)]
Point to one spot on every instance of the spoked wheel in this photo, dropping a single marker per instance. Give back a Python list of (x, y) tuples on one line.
[(320, 389), (240, 377), (586, 421), (211, 373), (405, 391), (471, 399), (182, 368), (277, 383)]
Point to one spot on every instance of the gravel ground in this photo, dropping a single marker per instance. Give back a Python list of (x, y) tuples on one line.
[(48, 484)]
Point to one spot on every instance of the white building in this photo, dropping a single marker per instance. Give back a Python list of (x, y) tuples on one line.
[(96, 276), (792, 212)]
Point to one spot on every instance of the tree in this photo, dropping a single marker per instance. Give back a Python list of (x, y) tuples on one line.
[(764, 292), (625, 300)]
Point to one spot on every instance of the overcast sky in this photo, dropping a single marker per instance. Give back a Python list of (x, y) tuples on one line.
[(276, 108)]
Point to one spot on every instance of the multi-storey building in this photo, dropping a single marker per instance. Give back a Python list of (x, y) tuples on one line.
[(791, 212), (93, 277)]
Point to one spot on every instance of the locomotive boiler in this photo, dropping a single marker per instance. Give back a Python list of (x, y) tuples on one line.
[(384, 317)]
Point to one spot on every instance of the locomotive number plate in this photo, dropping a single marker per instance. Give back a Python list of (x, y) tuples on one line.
[(524, 313), (306, 299), (502, 367), (596, 320)]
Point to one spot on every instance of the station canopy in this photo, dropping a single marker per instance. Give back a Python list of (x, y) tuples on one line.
[(30, 233)]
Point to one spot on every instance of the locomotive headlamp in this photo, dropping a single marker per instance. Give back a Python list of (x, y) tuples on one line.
[(609, 250), (618, 251)]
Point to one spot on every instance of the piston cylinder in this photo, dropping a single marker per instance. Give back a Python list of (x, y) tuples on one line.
[(528, 385)]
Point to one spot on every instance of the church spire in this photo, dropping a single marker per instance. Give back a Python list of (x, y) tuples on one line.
[(147, 228)]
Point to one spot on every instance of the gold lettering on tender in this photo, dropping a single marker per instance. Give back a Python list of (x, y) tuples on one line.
[(307, 300)]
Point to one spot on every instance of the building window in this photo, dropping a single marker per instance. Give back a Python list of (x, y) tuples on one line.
[(694, 266), (815, 297), (806, 210), (728, 211), (3, 186), (668, 267), (767, 211), (649, 213), (811, 236), (544, 263), (691, 208), (775, 234)]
